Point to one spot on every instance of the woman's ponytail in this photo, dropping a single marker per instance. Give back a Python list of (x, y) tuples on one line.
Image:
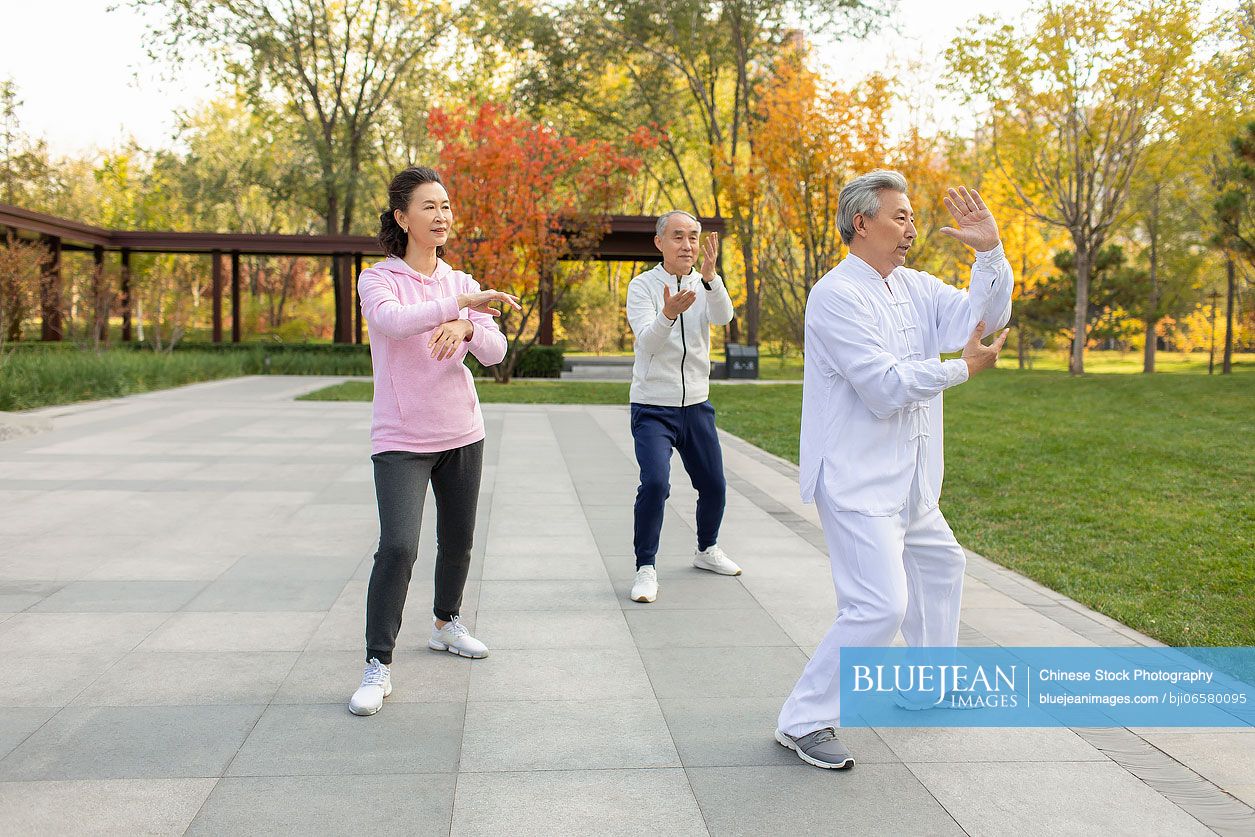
[(391, 237)]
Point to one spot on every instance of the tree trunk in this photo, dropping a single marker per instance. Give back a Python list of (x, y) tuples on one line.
[(1076, 361), (1020, 348), (1152, 305), (545, 336), (751, 290), (1228, 318)]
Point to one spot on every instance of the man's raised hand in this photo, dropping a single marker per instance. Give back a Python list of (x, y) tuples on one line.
[(674, 306), (710, 253), (976, 225), (979, 356)]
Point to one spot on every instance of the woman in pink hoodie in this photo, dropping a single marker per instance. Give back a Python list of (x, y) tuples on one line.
[(424, 317)]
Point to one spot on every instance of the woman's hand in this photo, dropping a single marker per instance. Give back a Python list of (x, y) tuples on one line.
[(481, 300), (445, 339)]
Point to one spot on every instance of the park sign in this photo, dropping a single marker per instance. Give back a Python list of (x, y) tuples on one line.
[(1047, 687)]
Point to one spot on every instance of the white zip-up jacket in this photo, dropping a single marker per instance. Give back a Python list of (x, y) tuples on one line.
[(672, 367), (871, 393)]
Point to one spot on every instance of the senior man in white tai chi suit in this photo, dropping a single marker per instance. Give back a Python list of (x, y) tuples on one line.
[(871, 452)]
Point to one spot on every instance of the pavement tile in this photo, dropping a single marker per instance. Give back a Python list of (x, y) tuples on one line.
[(132, 742), (401, 738), (608, 803), (1080, 798), (565, 735), (303, 805), (102, 806)]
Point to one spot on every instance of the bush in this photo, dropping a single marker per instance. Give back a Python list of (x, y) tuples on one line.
[(32, 378), (536, 362), (34, 374), (269, 347)]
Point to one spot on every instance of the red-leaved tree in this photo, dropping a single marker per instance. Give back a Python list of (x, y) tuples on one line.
[(524, 198)]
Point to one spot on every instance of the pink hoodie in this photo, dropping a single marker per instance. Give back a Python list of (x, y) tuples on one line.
[(421, 404)]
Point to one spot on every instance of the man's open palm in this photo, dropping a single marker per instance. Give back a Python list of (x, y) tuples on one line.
[(976, 225)]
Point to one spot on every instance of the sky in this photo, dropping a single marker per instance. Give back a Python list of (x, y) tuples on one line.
[(86, 82)]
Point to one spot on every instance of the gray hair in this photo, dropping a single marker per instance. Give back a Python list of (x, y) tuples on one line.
[(861, 196), (661, 226)]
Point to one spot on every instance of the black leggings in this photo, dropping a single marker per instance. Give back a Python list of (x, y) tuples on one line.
[(401, 480)]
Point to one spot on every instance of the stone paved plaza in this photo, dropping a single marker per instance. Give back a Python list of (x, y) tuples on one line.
[(182, 583)]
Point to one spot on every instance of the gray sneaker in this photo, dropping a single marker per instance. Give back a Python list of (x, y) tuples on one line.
[(820, 748)]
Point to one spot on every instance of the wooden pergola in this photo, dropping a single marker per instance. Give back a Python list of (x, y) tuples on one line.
[(631, 238)]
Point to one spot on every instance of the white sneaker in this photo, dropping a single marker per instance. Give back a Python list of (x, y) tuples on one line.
[(376, 685), (714, 560), (456, 639), (645, 587)]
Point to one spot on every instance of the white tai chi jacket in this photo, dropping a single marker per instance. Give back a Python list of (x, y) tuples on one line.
[(871, 390)]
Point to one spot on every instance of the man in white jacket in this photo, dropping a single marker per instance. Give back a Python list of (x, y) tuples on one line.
[(671, 309), (871, 451)]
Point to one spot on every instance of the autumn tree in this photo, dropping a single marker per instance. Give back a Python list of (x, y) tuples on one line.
[(21, 262), (333, 65), (525, 197), (809, 137), (1030, 246), (1163, 221), (692, 69), (592, 315), (1235, 221), (1072, 100)]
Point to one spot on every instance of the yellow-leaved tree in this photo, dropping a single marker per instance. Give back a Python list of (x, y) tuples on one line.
[(808, 138), (1073, 97)]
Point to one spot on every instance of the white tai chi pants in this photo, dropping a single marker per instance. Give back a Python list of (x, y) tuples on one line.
[(901, 571)]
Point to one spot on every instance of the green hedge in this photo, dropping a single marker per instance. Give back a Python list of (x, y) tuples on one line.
[(30, 379), (536, 362), (269, 347), (40, 374)]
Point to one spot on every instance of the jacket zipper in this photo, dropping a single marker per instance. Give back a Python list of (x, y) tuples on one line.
[(684, 349)]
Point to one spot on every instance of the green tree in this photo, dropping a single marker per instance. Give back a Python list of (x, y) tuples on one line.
[(1165, 224), (1114, 287), (1073, 99), (24, 167), (334, 65), (691, 69)]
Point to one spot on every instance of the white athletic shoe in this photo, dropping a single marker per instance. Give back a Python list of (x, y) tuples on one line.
[(376, 685), (645, 587), (714, 560), (456, 639)]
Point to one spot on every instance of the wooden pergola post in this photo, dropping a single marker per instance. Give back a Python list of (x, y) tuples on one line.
[(216, 256), (100, 325), (51, 326), (126, 295), (235, 296), (343, 298), (357, 300)]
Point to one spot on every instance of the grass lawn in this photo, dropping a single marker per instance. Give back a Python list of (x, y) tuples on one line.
[(44, 377), (773, 368), (1134, 495)]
